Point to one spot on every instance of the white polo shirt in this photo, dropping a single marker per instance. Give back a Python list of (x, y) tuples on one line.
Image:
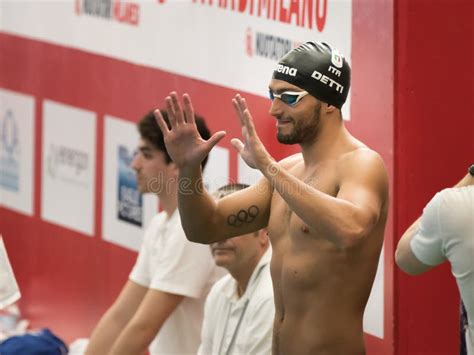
[(168, 262), (242, 325), (446, 232)]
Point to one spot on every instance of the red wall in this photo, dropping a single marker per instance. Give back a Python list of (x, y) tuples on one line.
[(434, 145), (372, 120)]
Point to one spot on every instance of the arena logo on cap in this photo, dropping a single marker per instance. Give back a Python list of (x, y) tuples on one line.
[(286, 70), (327, 81)]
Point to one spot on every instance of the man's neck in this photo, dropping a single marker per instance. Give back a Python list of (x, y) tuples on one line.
[(331, 142), (243, 275), (169, 202)]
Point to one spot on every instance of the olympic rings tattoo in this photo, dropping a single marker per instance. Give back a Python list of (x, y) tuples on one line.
[(243, 216)]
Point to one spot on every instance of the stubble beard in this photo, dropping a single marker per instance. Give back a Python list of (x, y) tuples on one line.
[(304, 130)]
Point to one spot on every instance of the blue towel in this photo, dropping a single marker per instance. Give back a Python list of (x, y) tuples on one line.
[(42, 342)]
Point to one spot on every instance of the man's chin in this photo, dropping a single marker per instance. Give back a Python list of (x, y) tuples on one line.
[(286, 139), (222, 260)]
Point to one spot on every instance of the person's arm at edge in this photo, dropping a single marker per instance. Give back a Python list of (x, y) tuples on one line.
[(115, 319), (404, 256), (140, 331)]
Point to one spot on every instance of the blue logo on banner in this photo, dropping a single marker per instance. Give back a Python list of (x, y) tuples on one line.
[(9, 153), (129, 198)]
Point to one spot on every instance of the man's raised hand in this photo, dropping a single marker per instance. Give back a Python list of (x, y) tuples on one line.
[(184, 144), (251, 150)]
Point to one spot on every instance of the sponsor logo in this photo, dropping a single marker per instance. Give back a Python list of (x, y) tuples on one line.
[(122, 11), (9, 153), (272, 47), (249, 42), (336, 58), (286, 70), (307, 13), (327, 81), (68, 165), (129, 202)]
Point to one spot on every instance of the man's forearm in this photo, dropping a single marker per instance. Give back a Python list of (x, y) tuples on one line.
[(104, 335), (403, 246), (133, 340), (196, 206)]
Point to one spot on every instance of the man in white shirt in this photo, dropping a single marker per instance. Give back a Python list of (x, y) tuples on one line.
[(445, 231), (239, 311), (164, 296)]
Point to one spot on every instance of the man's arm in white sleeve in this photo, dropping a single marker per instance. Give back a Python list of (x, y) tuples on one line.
[(115, 319), (155, 308)]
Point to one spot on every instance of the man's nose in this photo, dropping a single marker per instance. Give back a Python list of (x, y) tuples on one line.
[(276, 108), (135, 164)]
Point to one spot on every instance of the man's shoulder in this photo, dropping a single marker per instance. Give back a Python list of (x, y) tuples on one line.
[(464, 194), (156, 220), (360, 154), (454, 204), (364, 165), (265, 287), (167, 227), (224, 285), (292, 160), (154, 224)]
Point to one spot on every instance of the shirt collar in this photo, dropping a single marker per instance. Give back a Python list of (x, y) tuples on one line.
[(263, 262)]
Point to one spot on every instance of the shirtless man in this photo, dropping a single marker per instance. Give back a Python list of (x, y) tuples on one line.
[(325, 208)]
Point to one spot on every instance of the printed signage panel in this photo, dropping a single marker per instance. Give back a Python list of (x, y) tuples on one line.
[(17, 127), (373, 315), (230, 43), (68, 170), (126, 212), (216, 173), (247, 175)]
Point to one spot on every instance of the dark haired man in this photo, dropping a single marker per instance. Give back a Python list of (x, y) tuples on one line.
[(325, 208), (165, 293)]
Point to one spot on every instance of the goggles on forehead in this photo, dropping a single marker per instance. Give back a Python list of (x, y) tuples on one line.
[(290, 98)]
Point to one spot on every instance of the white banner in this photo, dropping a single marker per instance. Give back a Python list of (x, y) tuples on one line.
[(225, 42)]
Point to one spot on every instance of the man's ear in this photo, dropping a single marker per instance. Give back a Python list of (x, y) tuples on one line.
[(262, 235), (329, 108)]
